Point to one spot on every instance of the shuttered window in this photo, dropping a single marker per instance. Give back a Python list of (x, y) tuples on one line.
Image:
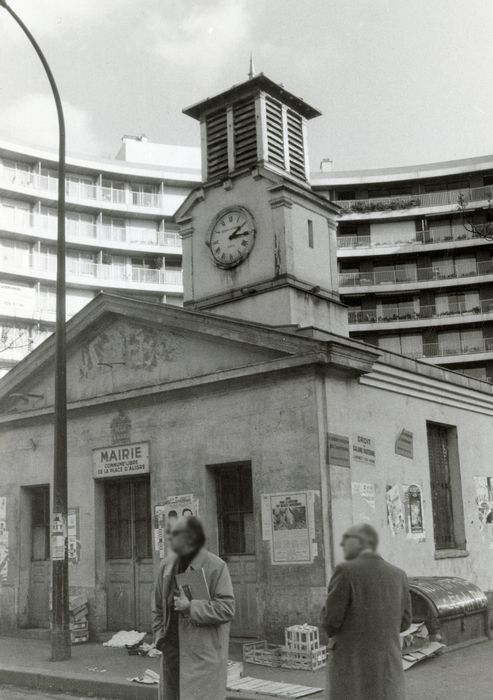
[(275, 138), (217, 145), (442, 486), (245, 134), (295, 143)]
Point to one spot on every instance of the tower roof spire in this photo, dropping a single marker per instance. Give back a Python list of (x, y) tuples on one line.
[(251, 70)]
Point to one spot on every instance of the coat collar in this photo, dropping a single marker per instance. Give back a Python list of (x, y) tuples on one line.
[(199, 560), (369, 553)]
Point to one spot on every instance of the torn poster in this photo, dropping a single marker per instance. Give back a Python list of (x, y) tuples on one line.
[(4, 541), (363, 502), (73, 535), (413, 503), (484, 503), (166, 515), (395, 509)]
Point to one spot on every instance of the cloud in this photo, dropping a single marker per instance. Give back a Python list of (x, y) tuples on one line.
[(32, 119), (203, 38), (47, 17)]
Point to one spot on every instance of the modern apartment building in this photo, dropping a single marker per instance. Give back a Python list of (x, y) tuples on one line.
[(119, 227), (415, 280)]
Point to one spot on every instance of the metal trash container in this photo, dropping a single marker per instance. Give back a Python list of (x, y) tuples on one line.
[(454, 610)]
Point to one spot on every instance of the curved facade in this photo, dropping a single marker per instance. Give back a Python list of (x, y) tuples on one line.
[(120, 233), (415, 280)]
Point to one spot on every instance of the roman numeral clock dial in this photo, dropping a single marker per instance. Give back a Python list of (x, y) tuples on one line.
[(231, 236)]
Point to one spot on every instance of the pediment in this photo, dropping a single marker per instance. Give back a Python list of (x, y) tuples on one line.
[(116, 345)]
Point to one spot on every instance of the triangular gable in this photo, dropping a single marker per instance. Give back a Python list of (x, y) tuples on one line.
[(117, 344)]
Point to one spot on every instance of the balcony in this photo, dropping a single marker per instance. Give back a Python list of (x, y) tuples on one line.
[(86, 272), (425, 315), (429, 237), (455, 351), (361, 208), (415, 276), (113, 196), (86, 233)]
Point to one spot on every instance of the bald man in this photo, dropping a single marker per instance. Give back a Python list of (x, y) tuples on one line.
[(368, 605)]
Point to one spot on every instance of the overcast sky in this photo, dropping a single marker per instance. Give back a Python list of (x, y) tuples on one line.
[(398, 81)]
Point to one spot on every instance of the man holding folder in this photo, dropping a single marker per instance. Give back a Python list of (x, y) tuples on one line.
[(192, 630)]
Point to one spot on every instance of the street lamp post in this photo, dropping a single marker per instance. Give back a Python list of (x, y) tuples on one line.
[(60, 630)]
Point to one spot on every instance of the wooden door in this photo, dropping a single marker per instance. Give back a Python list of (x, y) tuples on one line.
[(237, 542), (40, 570), (128, 554)]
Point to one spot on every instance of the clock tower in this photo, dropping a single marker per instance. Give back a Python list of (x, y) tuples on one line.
[(258, 243)]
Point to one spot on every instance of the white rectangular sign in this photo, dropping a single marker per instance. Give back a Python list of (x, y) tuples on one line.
[(121, 460)]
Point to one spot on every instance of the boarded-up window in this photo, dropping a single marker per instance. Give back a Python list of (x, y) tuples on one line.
[(235, 509), (40, 523), (446, 492)]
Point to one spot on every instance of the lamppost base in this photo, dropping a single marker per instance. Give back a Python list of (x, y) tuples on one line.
[(61, 649)]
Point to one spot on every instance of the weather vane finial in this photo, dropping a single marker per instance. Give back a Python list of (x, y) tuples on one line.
[(251, 71)]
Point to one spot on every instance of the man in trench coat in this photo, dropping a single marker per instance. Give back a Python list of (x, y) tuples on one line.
[(368, 605), (194, 664)]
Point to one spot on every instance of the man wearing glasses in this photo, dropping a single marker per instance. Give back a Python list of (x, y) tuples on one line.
[(368, 605), (193, 634)]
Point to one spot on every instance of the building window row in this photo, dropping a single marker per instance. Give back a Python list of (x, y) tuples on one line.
[(441, 344), (86, 226), (450, 267), (82, 186)]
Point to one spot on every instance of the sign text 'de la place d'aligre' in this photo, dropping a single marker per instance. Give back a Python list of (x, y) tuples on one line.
[(121, 460)]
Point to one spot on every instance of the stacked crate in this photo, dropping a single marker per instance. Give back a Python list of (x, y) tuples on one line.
[(302, 648), (79, 626)]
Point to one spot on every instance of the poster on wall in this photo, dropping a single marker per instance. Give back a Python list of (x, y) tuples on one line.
[(413, 505), (4, 541), (363, 449), (363, 502), (288, 523), (395, 509), (73, 535), (338, 450), (484, 504), (58, 536), (165, 516)]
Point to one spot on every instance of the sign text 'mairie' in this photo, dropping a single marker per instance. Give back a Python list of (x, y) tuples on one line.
[(121, 460)]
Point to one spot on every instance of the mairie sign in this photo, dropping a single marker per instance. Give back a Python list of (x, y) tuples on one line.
[(121, 460)]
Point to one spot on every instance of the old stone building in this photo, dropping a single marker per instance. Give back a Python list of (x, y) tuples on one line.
[(251, 406)]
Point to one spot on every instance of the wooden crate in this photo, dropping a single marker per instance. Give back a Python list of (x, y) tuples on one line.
[(304, 660), (262, 653), (303, 638)]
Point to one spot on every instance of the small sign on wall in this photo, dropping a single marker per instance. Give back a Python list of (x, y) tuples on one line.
[(338, 450), (363, 449), (404, 445), (121, 460)]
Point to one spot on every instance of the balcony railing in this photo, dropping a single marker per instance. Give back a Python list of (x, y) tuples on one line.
[(115, 194), (439, 234), (81, 231), (407, 276), (463, 347), (86, 269), (393, 314), (411, 201)]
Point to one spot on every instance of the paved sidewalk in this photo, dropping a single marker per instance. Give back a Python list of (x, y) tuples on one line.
[(99, 671)]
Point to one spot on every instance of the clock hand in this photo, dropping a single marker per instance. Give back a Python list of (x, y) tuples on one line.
[(235, 230), (238, 235)]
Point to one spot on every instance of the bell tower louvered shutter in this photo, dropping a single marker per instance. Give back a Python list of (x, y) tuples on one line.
[(245, 134), (275, 132), (217, 145), (296, 145)]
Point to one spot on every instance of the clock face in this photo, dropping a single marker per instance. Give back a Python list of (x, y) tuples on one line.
[(231, 236)]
